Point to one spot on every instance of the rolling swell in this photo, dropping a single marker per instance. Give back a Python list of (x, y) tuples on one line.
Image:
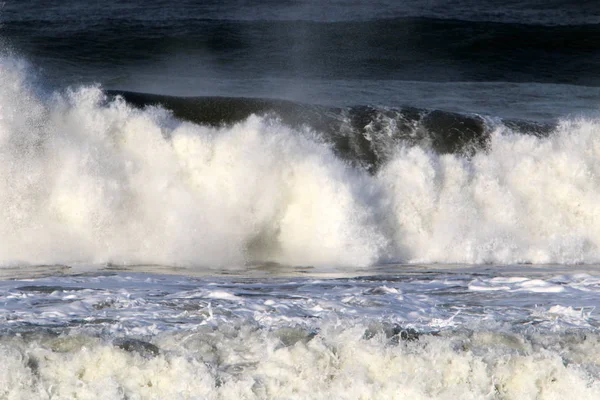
[(403, 48), (363, 135)]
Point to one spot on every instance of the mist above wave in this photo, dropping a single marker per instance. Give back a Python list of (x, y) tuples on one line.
[(88, 178)]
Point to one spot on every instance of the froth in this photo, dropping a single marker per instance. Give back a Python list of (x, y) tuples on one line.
[(339, 362), (85, 179), (525, 200), (88, 179)]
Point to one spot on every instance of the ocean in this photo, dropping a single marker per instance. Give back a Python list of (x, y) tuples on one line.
[(295, 199)]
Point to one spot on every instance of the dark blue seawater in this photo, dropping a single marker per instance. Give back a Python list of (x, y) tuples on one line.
[(522, 59)]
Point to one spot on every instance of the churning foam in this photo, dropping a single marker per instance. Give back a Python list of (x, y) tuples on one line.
[(339, 362), (85, 179)]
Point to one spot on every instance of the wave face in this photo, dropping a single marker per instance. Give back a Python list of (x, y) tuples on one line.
[(364, 136), (88, 177)]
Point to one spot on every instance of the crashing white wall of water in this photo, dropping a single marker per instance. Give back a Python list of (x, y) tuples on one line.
[(525, 200), (84, 179)]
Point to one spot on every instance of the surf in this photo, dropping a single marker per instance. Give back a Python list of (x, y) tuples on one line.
[(90, 176)]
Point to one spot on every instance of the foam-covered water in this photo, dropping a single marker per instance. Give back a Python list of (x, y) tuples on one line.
[(88, 179), (417, 333), (339, 363)]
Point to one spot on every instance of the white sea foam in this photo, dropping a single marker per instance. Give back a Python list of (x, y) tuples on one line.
[(526, 200), (115, 335), (339, 362), (86, 180)]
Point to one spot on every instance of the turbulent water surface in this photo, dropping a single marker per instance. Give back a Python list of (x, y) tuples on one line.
[(290, 199)]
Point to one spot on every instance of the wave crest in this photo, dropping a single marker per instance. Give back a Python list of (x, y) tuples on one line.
[(86, 177)]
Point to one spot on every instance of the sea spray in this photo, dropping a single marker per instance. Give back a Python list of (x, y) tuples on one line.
[(86, 177), (525, 200)]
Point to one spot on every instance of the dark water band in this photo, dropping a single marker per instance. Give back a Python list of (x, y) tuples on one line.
[(362, 135)]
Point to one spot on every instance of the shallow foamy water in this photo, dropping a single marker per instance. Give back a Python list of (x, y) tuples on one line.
[(394, 332)]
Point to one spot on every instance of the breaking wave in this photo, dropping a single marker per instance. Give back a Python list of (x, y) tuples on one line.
[(89, 176)]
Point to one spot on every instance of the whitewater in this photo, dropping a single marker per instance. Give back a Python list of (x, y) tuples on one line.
[(90, 179), (408, 333), (146, 256)]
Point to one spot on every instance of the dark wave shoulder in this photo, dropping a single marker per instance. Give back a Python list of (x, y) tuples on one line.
[(363, 135)]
